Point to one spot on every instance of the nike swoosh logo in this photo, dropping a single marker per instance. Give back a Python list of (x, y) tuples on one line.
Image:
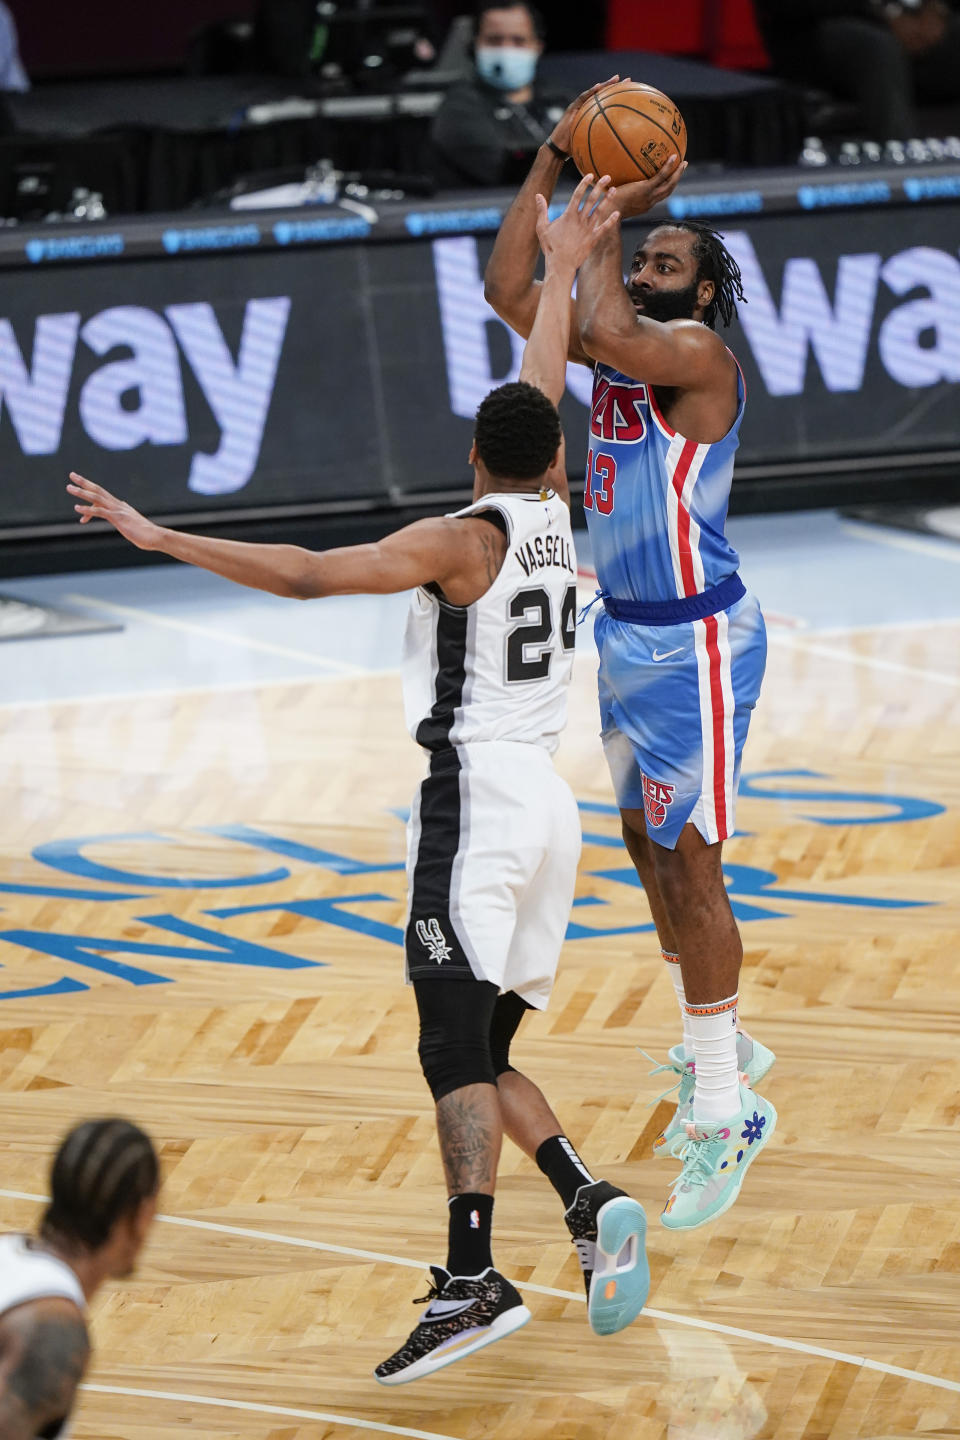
[(444, 1309), (666, 654)]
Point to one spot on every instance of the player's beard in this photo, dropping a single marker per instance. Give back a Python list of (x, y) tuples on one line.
[(669, 304)]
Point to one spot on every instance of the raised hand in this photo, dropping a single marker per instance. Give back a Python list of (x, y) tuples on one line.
[(639, 196), (590, 214), (563, 130), (99, 504)]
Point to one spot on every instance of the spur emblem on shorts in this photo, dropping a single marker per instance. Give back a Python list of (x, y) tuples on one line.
[(656, 798), (433, 940)]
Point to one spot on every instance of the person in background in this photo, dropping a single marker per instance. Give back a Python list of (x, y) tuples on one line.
[(12, 74), (884, 54), (103, 1197), (490, 125)]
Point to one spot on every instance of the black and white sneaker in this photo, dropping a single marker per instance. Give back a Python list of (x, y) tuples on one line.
[(465, 1313), (609, 1230)]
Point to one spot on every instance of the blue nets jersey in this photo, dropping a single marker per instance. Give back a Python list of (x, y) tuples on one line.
[(655, 502)]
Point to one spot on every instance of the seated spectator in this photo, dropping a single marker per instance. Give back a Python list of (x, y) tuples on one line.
[(12, 74), (884, 54), (491, 123)]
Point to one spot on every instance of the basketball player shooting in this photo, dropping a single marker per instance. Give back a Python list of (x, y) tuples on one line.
[(682, 642), (103, 1187), (494, 834)]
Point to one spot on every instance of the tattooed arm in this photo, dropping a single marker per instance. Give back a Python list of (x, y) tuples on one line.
[(43, 1354)]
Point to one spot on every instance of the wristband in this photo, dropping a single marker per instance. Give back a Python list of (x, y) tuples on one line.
[(561, 155)]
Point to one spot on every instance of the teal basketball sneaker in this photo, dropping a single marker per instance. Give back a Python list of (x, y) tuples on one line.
[(714, 1159), (753, 1062)]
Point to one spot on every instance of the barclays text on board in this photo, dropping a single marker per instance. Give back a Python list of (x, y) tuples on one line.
[(289, 375)]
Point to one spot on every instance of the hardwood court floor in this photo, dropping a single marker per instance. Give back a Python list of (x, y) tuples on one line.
[(303, 1191)]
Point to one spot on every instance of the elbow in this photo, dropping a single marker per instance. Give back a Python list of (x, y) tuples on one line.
[(589, 336), (305, 589), (600, 338), (493, 291), (499, 293), (305, 580)]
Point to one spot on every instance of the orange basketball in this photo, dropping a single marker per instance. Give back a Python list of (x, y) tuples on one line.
[(627, 132)]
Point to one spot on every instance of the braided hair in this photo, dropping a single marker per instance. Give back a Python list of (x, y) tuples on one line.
[(103, 1171), (715, 263)]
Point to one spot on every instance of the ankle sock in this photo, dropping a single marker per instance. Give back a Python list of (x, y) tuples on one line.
[(714, 1029), (563, 1167), (468, 1243)]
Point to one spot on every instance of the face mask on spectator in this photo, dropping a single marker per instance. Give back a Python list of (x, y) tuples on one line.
[(507, 68)]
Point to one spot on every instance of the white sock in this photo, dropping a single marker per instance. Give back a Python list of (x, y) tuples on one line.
[(673, 970), (714, 1030)]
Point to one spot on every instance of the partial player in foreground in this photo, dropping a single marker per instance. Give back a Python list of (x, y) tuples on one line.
[(494, 835), (103, 1187), (682, 642)]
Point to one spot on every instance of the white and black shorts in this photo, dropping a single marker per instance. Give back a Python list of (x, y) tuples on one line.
[(493, 846)]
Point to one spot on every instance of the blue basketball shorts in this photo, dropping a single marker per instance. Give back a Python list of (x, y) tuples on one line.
[(675, 706)]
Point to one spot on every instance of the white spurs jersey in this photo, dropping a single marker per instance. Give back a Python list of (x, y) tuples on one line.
[(499, 669), (31, 1274)]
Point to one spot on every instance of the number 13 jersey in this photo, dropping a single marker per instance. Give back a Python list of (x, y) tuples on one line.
[(655, 502), (498, 669)]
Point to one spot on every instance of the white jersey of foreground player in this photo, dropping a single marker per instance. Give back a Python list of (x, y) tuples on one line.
[(499, 669), (28, 1273)]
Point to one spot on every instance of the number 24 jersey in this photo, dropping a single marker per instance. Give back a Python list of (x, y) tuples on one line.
[(499, 669)]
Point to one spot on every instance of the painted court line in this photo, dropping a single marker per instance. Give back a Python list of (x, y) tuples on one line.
[(171, 692), (880, 627), (325, 1415), (938, 549), (223, 637), (776, 1341), (872, 662)]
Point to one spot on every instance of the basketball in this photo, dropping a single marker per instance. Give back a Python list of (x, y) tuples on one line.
[(627, 132)]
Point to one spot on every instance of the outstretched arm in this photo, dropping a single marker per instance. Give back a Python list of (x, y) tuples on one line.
[(452, 553), (509, 284), (43, 1353), (566, 243)]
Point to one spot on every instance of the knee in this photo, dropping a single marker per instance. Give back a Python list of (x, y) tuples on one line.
[(450, 1064), (454, 1046), (635, 837), (507, 1014), (673, 877), (691, 874)]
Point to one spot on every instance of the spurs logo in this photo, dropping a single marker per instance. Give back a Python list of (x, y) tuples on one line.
[(433, 940)]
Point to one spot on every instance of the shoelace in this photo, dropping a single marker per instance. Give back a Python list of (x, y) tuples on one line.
[(433, 1293), (656, 1071), (695, 1156)]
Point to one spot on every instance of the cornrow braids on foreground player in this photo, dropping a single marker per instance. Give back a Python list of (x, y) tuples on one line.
[(103, 1170), (517, 432), (714, 262)]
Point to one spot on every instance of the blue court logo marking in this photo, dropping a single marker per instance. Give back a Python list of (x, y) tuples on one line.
[(755, 894)]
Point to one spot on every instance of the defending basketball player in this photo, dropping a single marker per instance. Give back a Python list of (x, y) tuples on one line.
[(494, 834), (103, 1187), (682, 643)]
